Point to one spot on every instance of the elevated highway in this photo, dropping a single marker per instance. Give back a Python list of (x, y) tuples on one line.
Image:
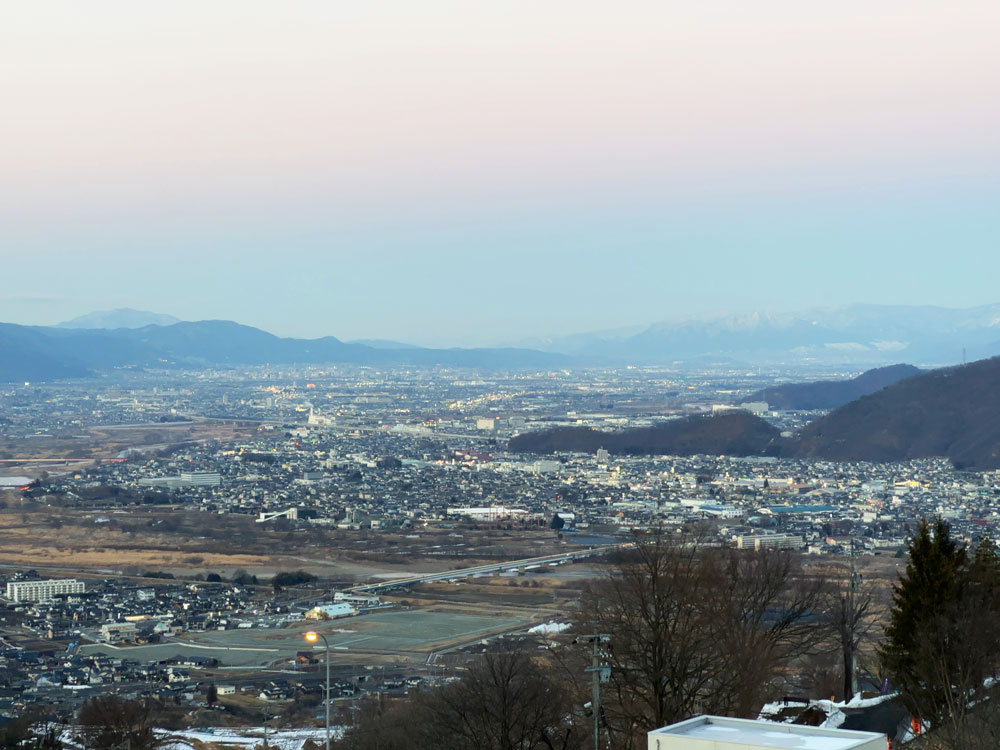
[(529, 563)]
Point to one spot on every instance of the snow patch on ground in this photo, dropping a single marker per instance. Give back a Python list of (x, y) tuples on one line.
[(858, 702), (286, 739), (247, 738), (550, 628), (775, 708), (834, 710)]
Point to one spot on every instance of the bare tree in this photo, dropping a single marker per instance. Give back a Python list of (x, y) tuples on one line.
[(506, 701), (697, 628), (763, 609), (110, 722), (851, 613), (30, 730), (381, 726)]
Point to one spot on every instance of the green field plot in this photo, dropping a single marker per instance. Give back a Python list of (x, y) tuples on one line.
[(395, 631)]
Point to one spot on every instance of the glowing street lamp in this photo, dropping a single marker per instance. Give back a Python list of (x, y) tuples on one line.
[(312, 636)]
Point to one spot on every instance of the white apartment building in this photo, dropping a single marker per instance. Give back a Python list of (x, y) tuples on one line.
[(770, 541), (37, 591), (490, 513), (196, 478)]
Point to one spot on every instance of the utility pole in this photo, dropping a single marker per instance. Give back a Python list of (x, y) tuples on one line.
[(600, 673), (855, 578), (312, 637), (851, 625)]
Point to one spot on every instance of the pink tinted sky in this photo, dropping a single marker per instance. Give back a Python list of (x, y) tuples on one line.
[(395, 131)]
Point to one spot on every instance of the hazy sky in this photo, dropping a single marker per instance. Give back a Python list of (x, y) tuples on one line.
[(459, 172)]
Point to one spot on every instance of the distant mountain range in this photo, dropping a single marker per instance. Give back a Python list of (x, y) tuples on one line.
[(854, 336), (384, 344), (123, 317), (46, 353), (951, 413), (857, 334), (829, 394)]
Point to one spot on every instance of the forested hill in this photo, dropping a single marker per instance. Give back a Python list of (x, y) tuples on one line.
[(829, 394), (736, 433), (952, 413)]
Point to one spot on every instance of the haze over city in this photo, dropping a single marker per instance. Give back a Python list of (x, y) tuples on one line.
[(449, 173)]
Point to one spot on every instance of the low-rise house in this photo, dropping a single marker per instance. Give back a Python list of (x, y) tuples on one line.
[(113, 632)]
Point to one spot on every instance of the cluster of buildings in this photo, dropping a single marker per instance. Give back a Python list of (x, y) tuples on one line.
[(111, 610), (423, 400), (397, 451), (51, 648), (387, 480)]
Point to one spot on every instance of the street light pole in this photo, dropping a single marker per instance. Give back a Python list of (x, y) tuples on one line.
[(311, 636)]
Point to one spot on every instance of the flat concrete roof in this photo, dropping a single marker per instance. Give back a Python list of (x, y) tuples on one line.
[(720, 733)]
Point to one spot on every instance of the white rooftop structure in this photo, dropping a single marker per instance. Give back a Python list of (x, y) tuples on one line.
[(15, 481), (721, 733), (331, 611)]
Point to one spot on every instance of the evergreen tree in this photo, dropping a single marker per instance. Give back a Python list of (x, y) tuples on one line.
[(927, 588), (942, 640)]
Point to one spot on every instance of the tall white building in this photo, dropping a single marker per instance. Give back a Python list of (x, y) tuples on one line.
[(36, 591), (195, 478)]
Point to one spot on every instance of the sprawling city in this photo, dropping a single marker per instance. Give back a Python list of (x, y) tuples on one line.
[(421, 374), (176, 536)]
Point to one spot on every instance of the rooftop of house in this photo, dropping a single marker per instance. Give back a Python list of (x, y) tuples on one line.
[(718, 732)]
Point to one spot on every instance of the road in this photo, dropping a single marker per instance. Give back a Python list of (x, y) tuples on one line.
[(525, 564)]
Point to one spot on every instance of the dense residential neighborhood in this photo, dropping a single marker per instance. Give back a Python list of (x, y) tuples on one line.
[(360, 478)]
